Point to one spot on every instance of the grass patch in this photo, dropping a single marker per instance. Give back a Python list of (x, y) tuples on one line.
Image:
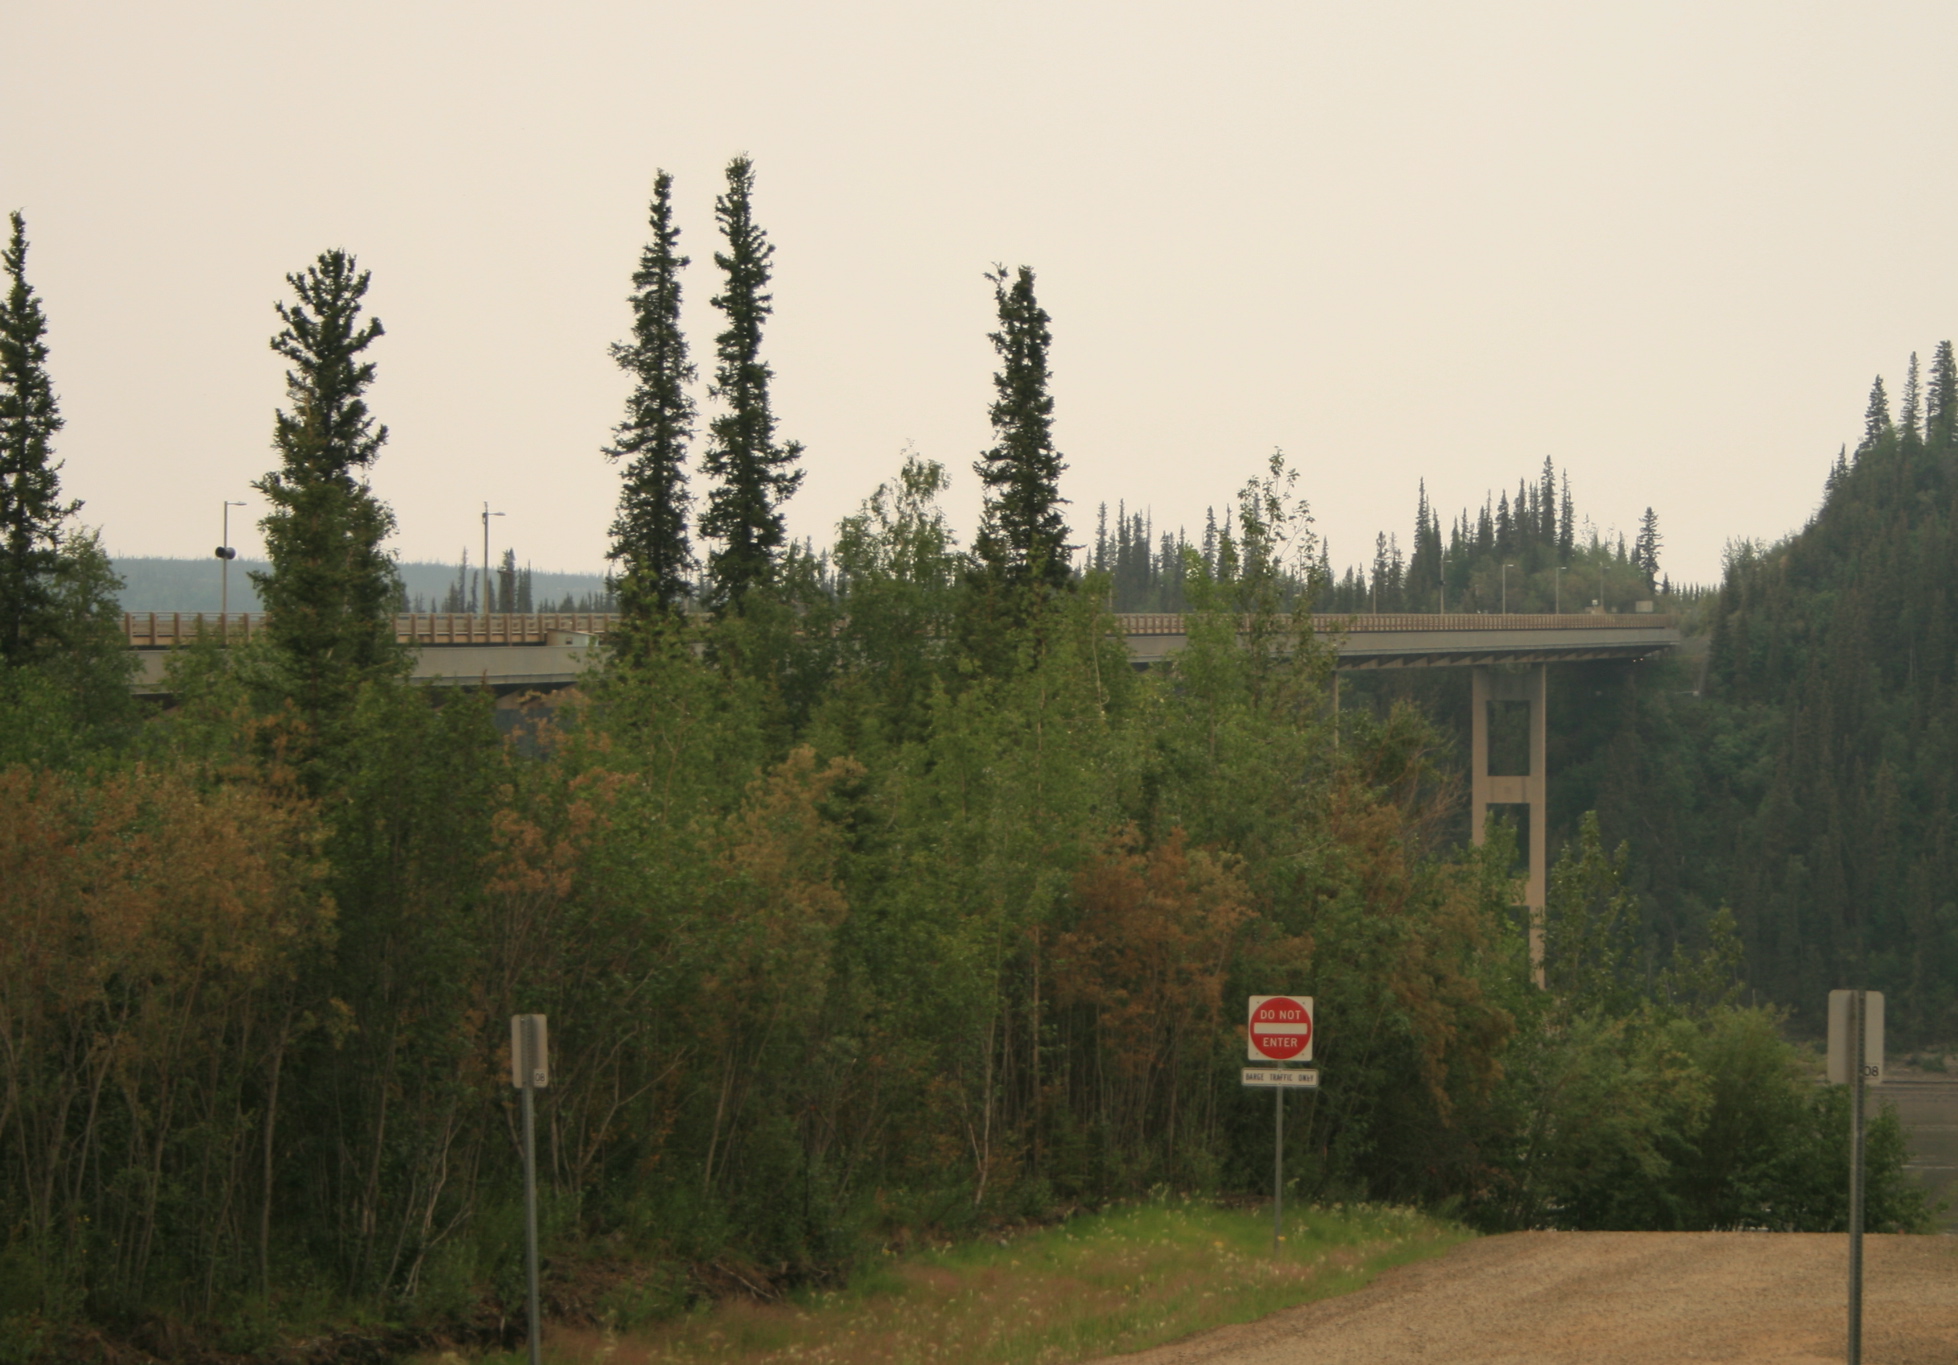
[(1123, 1280)]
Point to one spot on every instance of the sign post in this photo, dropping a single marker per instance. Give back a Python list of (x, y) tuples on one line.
[(1279, 1030), (530, 1071), (1278, 1174), (1855, 1059)]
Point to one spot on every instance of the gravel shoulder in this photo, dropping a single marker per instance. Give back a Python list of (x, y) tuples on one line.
[(1605, 1298)]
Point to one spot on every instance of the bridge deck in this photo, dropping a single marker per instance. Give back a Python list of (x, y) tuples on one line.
[(550, 649), (1409, 640)]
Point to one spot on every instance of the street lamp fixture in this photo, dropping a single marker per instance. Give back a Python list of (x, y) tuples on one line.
[(225, 555)]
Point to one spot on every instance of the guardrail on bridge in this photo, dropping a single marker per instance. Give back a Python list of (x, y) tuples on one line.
[(163, 629)]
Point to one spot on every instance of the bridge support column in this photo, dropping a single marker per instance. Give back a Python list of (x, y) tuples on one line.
[(1528, 686)]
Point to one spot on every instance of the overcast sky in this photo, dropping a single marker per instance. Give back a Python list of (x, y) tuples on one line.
[(1668, 245)]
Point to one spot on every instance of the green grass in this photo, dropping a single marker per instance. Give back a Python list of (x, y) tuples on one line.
[(1124, 1280)]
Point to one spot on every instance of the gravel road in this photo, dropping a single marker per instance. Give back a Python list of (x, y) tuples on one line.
[(1617, 1298), (1928, 1104)]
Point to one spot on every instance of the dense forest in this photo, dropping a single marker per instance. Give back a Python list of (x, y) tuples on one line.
[(1511, 556), (1827, 764), (872, 893)]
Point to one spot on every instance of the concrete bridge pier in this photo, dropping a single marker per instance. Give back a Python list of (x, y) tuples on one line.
[(1514, 775)]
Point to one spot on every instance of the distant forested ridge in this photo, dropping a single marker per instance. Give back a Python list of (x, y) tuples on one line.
[(1834, 656), (162, 584), (1555, 562)]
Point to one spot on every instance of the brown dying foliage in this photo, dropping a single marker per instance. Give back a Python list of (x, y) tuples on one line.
[(1432, 928), (1151, 949), (151, 933), (1147, 962)]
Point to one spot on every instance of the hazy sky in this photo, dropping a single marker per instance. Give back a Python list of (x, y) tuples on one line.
[(1668, 245)]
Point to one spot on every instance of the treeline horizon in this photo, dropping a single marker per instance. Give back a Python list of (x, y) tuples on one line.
[(167, 583), (1537, 534)]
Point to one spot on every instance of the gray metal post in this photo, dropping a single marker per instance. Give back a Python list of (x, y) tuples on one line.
[(1278, 1174), (1858, 1056), (530, 1187), (487, 514), (225, 555)]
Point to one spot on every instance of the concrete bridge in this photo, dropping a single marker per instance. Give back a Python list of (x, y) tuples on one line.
[(550, 650), (1510, 656)]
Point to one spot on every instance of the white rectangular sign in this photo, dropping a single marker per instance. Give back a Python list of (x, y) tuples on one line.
[(1841, 1049), (540, 1061), (1282, 1078)]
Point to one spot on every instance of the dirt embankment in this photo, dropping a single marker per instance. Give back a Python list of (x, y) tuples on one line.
[(1618, 1298)]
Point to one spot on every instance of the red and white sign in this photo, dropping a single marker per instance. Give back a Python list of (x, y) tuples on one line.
[(1281, 1028)]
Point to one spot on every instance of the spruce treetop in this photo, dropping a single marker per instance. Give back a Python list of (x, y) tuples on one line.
[(1022, 535), (331, 589), (32, 515), (1941, 398), (1645, 554), (1876, 418), (329, 433), (756, 474), (649, 534), (1913, 401), (1566, 521)]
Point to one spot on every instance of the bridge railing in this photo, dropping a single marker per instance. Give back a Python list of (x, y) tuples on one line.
[(498, 628), (163, 629), (1171, 623)]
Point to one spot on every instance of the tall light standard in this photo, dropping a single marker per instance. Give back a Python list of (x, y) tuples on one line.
[(1557, 578), (225, 555), (487, 514), (1505, 588)]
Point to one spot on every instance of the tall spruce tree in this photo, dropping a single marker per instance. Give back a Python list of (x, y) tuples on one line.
[(1913, 402), (1645, 550), (757, 475), (330, 588), (1941, 398), (32, 515), (649, 534), (1546, 505), (1837, 471), (1876, 418), (1022, 535)]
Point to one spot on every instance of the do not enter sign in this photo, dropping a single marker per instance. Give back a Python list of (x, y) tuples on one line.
[(1281, 1028)]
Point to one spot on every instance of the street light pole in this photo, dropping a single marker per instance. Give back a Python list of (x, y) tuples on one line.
[(225, 555), (1505, 588), (487, 514), (1557, 579)]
